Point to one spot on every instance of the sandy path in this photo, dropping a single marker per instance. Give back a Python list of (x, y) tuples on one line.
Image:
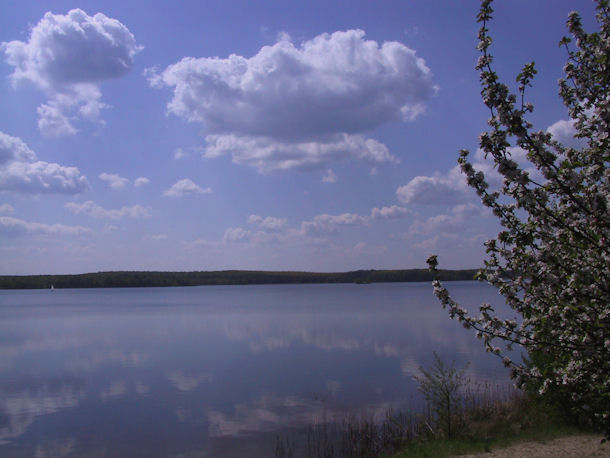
[(571, 446)]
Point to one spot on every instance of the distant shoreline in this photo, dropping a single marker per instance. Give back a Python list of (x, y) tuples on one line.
[(134, 279)]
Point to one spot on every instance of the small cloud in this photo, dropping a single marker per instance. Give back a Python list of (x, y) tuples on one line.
[(6, 208), (15, 226), (267, 155), (236, 234), (158, 237), (269, 223), (435, 190), (412, 30), (185, 187), (328, 224), (141, 181), (21, 172), (453, 222), (329, 176), (113, 180), (90, 208), (179, 153), (392, 212)]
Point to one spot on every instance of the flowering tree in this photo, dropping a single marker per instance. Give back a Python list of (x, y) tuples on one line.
[(551, 260)]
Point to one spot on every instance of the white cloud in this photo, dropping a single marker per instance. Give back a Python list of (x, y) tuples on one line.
[(451, 188), (493, 177), (236, 234), (15, 226), (90, 208), (52, 122), (66, 56), (21, 172), (6, 208), (327, 224), (300, 105), (185, 187), (269, 223), (14, 149), (179, 153), (433, 190), (141, 181), (42, 178), (392, 212), (563, 131), (113, 180), (267, 154), (157, 237), (329, 176), (448, 223)]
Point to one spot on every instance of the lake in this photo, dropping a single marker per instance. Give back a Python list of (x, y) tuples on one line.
[(216, 370)]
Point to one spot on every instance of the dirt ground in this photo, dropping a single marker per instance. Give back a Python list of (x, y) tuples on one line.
[(572, 446)]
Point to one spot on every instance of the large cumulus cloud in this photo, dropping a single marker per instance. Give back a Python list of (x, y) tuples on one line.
[(300, 106), (66, 56), (21, 172)]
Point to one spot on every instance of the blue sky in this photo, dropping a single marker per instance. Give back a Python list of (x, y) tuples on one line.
[(150, 135)]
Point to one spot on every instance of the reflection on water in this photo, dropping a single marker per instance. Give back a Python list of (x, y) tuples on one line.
[(214, 370)]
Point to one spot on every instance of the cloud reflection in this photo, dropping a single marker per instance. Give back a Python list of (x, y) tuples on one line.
[(272, 413), (22, 401), (184, 382), (115, 390), (89, 362), (384, 335)]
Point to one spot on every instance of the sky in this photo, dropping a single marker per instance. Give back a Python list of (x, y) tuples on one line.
[(275, 135)]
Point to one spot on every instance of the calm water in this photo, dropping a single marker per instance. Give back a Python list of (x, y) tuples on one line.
[(215, 371)]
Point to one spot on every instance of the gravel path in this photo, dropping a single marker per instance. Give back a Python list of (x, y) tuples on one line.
[(580, 446)]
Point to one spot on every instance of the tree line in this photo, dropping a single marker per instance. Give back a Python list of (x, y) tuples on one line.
[(124, 279)]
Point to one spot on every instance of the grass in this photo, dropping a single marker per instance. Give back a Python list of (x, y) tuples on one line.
[(489, 417), (517, 420)]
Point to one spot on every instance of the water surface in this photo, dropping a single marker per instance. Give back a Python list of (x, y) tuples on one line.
[(215, 370)]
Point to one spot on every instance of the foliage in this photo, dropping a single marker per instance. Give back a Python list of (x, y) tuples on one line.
[(442, 387), (551, 260)]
